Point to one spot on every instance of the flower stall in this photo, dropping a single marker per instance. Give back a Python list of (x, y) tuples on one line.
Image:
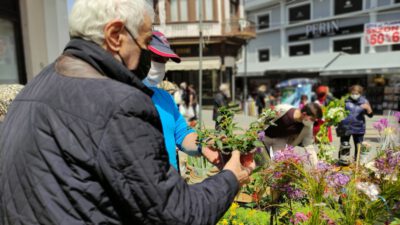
[(287, 190)]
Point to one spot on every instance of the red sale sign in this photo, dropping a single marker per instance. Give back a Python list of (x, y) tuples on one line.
[(385, 33)]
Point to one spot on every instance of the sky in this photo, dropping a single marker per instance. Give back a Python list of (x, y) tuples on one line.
[(69, 4)]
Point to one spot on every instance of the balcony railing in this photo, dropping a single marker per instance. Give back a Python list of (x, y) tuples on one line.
[(179, 30), (240, 28), (236, 27)]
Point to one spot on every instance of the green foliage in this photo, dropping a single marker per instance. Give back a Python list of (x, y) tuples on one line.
[(230, 137), (237, 215)]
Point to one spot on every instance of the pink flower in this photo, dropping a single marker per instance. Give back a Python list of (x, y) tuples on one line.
[(397, 115), (381, 124), (299, 218)]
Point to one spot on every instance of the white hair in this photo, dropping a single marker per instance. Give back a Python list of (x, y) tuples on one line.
[(224, 87), (89, 17)]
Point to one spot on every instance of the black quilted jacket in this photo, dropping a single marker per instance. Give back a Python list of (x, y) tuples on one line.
[(91, 151)]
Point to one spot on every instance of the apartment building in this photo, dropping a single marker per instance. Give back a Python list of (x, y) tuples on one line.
[(225, 31)]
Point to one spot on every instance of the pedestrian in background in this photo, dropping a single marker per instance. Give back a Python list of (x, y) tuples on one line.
[(354, 124), (220, 100), (192, 101), (261, 98), (303, 101), (323, 98)]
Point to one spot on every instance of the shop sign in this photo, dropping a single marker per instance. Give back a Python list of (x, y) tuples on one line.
[(322, 29), (384, 33), (325, 29)]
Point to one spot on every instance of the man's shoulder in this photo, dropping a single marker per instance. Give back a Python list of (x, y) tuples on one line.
[(90, 99)]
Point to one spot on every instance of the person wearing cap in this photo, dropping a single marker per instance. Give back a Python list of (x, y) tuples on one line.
[(176, 131)]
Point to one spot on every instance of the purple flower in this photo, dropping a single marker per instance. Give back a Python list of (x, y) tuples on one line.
[(286, 155), (323, 167), (337, 180), (294, 193), (388, 162), (261, 135)]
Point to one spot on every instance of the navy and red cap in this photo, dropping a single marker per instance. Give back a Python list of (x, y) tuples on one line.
[(159, 45)]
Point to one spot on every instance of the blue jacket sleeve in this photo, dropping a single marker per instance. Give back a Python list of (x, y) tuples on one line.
[(181, 127)]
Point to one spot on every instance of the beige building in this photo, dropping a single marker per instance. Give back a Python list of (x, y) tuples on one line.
[(225, 31), (32, 34)]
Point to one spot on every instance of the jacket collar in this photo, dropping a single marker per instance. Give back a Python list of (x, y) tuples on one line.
[(104, 63)]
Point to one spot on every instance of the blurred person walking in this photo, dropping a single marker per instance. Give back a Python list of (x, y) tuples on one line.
[(220, 100), (261, 98), (323, 98), (354, 124), (303, 101)]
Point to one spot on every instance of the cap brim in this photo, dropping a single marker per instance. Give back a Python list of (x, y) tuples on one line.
[(165, 52)]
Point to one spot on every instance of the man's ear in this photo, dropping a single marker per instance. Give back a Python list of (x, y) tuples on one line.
[(114, 35)]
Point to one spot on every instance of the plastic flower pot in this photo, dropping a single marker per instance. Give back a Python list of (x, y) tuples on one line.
[(247, 158)]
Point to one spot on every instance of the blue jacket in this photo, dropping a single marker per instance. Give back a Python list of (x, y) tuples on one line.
[(355, 122)]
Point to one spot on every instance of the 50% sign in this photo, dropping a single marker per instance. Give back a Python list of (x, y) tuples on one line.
[(386, 33)]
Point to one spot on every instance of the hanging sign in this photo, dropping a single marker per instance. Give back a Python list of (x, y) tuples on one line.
[(385, 33)]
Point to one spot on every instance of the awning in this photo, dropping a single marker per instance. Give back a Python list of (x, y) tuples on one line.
[(372, 63), (298, 64), (209, 63)]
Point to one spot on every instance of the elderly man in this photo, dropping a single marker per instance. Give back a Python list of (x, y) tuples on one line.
[(84, 142)]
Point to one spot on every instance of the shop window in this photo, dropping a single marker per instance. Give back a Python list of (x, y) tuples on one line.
[(8, 53), (299, 13), (263, 22), (299, 50), (396, 47), (350, 46), (263, 55), (347, 6)]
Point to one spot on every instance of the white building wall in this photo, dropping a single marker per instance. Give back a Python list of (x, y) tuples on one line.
[(45, 32)]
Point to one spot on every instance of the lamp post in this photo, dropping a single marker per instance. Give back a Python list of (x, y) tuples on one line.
[(200, 59)]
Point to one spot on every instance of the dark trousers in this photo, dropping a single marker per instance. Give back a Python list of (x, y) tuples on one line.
[(357, 138)]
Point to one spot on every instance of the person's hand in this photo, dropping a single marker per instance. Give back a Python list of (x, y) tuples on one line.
[(212, 155), (242, 173), (367, 107)]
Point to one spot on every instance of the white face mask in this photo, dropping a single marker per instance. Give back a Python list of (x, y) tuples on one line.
[(355, 96), (155, 75), (308, 123)]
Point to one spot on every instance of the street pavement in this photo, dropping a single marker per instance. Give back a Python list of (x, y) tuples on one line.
[(243, 121)]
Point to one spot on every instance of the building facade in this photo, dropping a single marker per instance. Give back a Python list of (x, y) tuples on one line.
[(32, 35), (225, 31), (321, 39)]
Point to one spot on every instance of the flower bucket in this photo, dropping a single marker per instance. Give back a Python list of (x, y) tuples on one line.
[(195, 177)]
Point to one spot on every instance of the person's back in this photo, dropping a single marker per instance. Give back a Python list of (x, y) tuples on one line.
[(46, 147)]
